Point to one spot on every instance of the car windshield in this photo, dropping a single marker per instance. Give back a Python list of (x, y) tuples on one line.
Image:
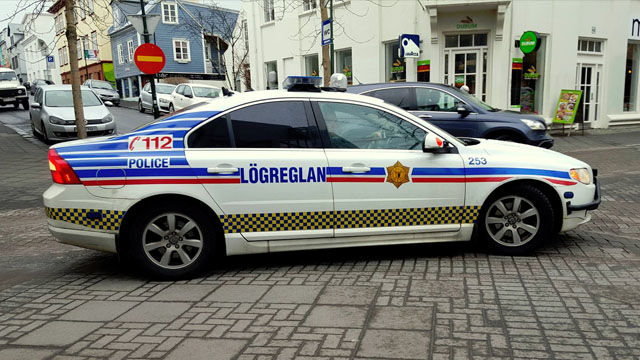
[(7, 75), (101, 85), (206, 92), (474, 100), (63, 98), (164, 88)]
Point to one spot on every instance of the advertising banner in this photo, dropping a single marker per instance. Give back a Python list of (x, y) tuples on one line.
[(567, 106)]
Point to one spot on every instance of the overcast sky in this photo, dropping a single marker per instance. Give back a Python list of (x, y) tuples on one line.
[(8, 8)]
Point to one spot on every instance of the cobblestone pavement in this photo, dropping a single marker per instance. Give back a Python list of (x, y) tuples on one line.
[(578, 297)]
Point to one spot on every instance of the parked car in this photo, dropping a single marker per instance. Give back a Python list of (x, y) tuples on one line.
[(104, 90), (52, 115), (188, 94), (37, 83), (11, 92), (163, 93), (460, 113)]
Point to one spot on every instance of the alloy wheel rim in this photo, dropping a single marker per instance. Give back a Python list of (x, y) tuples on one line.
[(172, 240), (512, 221)]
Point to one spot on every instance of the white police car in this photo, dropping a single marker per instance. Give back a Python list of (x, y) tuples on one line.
[(304, 169)]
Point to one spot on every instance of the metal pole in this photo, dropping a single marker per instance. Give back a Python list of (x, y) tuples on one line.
[(86, 67), (154, 98), (331, 27)]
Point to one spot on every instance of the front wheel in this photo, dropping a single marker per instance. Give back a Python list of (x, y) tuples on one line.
[(171, 108), (25, 104), (140, 107), (172, 241), (516, 221)]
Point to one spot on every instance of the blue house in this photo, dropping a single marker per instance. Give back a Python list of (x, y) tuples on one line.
[(192, 36)]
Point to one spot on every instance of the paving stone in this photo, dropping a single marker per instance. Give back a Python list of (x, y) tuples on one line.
[(22, 353), (402, 317), (183, 292), (348, 295), (99, 310), (58, 333), (337, 316), (207, 349), (116, 284), (292, 294), (238, 293), (437, 288), (155, 312), (395, 344)]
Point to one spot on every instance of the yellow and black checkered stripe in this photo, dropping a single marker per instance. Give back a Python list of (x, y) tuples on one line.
[(348, 219), (107, 219)]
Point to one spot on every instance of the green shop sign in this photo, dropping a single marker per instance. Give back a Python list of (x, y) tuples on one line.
[(529, 42)]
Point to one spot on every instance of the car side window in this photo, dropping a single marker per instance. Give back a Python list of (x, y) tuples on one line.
[(428, 99), (179, 89), (279, 124), (38, 96), (353, 126), (400, 96), (214, 134), (187, 91), (146, 87)]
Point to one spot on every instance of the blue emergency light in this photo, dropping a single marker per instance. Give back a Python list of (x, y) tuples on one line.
[(292, 83)]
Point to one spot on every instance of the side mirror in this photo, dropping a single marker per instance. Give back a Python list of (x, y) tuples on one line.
[(27, 85), (463, 109), (35, 105), (108, 103), (434, 144)]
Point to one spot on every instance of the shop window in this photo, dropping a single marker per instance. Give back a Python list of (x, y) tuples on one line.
[(590, 46), (271, 74), (394, 65), (311, 65), (527, 80), (344, 64), (630, 102)]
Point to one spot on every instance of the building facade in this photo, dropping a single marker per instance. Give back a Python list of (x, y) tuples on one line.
[(38, 48), (15, 36), (186, 32), (584, 45), (93, 18)]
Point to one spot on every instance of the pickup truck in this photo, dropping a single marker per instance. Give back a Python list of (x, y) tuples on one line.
[(11, 92)]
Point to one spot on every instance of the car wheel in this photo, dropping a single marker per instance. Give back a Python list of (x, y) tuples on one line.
[(16, 105), (140, 108), (25, 104), (33, 127), (171, 108), (45, 137), (506, 137), (172, 241), (516, 221)]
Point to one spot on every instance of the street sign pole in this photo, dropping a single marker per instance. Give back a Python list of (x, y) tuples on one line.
[(154, 98), (331, 45)]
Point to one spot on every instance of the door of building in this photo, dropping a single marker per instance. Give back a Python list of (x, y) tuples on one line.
[(465, 62), (589, 77)]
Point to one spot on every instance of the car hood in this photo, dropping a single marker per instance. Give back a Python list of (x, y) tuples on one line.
[(105, 92), (10, 85), (67, 113), (163, 96)]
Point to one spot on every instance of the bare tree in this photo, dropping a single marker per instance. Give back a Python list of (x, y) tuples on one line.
[(72, 36)]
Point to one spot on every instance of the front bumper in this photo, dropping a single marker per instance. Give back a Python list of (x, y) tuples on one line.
[(590, 205), (14, 99), (66, 132), (543, 140)]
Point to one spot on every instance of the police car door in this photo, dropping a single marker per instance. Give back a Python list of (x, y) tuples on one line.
[(266, 169), (383, 183)]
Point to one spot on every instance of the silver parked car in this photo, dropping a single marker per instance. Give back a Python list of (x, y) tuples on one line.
[(163, 92), (52, 117), (104, 90)]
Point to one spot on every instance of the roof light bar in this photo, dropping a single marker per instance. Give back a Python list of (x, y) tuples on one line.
[(297, 82)]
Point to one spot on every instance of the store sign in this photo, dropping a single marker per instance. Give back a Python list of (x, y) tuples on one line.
[(424, 66), (635, 28), (516, 64), (567, 106), (531, 73), (409, 45), (327, 37), (190, 76), (466, 24), (529, 42)]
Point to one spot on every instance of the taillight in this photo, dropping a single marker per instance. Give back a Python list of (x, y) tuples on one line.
[(61, 171)]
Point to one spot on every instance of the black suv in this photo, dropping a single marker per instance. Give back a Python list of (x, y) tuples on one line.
[(459, 112)]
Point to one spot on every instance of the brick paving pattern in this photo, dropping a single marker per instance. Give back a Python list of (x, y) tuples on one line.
[(578, 297)]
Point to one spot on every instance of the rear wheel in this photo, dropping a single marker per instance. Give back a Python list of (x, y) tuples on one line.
[(506, 137), (516, 221), (33, 127), (171, 241)]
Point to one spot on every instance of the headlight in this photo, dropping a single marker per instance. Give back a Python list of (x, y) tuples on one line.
[(581, 174), (107, 118), (58, 121), (20, 91), (164, 101), (534, 125)]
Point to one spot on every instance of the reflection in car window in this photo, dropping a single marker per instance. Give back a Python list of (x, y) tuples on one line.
[(101, 85), (400, 97), (360, 127), (214, 134), (179, 89), (164, 88), (63, 98), (206, 92), (147, 87), (435, 100), (186, 91), (281, 124)]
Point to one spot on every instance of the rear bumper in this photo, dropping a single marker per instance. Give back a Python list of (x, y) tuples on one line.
[(83, 238)]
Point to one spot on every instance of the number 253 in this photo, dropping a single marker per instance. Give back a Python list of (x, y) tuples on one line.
[(477, 161)]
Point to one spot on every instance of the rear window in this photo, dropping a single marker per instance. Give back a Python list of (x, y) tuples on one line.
[(63, 98), (400, 97)]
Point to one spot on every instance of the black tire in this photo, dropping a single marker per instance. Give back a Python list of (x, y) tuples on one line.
[(45, 137), (16, 105), (137, 236), (25, 104), (33, 127), (140, 107), (171, 109), (521, 220), (506, 137)]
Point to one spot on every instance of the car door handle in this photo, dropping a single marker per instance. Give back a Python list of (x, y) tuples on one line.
[(222, 170), (356, 169), (425, 116)]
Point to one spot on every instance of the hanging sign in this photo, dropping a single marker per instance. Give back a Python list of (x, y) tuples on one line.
[(409, 45), (327, 37), (529, 42), (567, 106)]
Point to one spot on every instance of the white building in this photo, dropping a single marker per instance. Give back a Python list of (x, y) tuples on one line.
[(593, 46), (39, 42)]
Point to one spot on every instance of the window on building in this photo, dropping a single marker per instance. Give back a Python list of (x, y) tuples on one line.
[(269, 12), (80, 8), (85, 43), (527, 80), (311, 65), (465, 40), (271, 74), (79, 48), (361, 127), (309, 4), (120, 54), (90, 6), (169, 13), (630, 101), (181, 50), (281, 124), (590, 46), (59, 23), (245, 29), (130, 50), (60, 57), (394, 65), (94, 40), (65, 54), (343, 64)]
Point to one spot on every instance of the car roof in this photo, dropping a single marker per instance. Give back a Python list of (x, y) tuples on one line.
[(200, 85), (61, 87), (360, 88), (6, 70)]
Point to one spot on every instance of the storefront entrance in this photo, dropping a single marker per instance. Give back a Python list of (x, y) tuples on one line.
[(465, 62), (589, 77)]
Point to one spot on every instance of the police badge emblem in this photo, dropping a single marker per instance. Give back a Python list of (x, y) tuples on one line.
[(397, 174)]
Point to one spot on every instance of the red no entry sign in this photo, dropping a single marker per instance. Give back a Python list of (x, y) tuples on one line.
[(149, 58)]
